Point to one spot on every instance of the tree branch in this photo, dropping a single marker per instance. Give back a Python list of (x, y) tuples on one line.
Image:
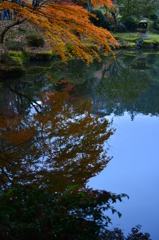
[(17, 22)]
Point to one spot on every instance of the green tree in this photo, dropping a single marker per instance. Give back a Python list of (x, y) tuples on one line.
[(127, 8), (32, 212)]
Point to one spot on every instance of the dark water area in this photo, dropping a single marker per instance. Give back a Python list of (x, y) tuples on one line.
[(56, 128)]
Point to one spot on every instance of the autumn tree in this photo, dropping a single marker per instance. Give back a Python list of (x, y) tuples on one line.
[(60, 21), (90, 4)]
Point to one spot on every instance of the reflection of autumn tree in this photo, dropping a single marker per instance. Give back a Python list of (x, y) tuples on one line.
[(62, 144)]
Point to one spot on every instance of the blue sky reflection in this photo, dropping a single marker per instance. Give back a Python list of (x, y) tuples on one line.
[(134, 170)]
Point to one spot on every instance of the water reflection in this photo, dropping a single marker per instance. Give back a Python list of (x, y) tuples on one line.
[(119, 85), (52, 140), (51, 133), (41, 121)]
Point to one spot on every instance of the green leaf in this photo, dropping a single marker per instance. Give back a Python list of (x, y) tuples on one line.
[(73, 187), (82, 194)]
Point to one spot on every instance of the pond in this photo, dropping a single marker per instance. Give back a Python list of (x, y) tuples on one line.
[(79, 104)]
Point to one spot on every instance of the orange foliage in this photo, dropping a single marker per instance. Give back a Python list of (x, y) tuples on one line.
[(95, 3), (61, 21), (107, 3), (109, 17)]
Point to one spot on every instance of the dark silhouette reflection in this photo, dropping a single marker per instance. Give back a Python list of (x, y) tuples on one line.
[(76, 213)]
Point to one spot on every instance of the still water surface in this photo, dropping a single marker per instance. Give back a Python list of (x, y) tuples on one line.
[(125, 90), (134, 147)]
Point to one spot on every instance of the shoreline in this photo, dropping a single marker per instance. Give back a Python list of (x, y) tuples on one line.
[(12, 62)]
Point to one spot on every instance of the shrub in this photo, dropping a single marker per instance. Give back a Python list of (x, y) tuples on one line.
[(14, 45), (151, 25), (35, 40), (32, 212), (156, 26), (22, 29), (6, 59), (130, 24), (121, 28), (102, 21), (17, 61), (70, 47), (28, 212), (10, 60), (153, 16)]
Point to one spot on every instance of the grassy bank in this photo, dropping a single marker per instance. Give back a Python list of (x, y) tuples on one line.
[(129, 40)]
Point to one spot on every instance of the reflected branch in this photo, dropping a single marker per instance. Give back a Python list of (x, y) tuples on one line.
[(32, 102)]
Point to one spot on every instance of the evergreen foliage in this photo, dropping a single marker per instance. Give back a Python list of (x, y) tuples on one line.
[(100, 20)]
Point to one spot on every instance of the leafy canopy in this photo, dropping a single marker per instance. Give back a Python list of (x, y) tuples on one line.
[(126, 8), (66, 23)]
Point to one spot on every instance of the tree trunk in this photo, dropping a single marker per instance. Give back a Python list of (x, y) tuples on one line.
[(17, 22), (89, 5), (115, 21), (116, 25)]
